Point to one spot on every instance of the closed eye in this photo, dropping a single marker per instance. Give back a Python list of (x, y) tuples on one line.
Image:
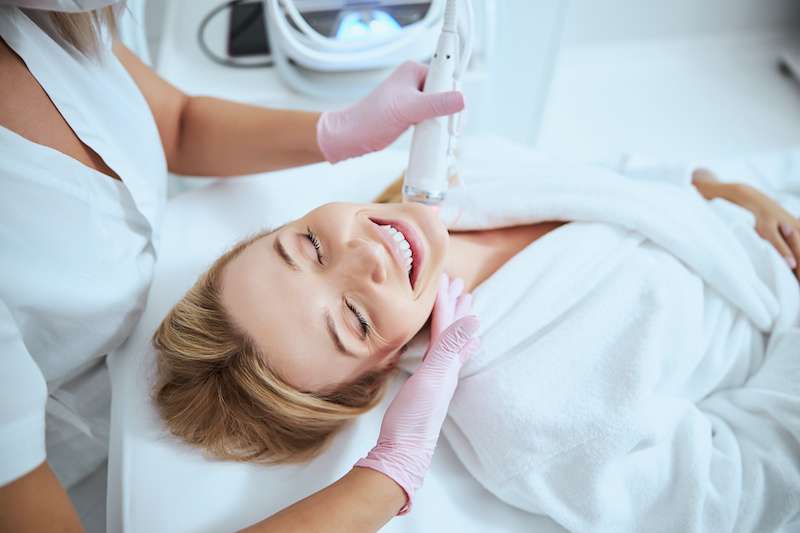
[(365, 326), (316, 244)]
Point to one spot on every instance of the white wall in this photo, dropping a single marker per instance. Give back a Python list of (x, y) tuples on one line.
[(532, 31), (590, 21), (613, 20), (154, 17), (521, 65), (677, 80)]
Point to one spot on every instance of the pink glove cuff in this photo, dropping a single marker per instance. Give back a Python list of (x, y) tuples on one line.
[(378, 467), (398, 472), (333, 142)]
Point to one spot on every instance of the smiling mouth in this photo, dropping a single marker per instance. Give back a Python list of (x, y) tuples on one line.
[(406, 246)]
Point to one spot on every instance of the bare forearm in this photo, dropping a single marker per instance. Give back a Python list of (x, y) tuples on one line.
[(222, 138), (360, 502), (211, 137), (37, 502)]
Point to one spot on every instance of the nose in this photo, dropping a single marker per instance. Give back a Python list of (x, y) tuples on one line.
[(367, 258)]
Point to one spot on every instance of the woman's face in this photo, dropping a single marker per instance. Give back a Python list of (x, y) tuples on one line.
[(332, 295)]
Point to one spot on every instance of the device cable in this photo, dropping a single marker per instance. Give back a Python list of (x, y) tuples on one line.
[(222, 60)]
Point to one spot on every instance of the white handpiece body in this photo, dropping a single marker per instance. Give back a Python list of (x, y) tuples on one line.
[(426, 179)]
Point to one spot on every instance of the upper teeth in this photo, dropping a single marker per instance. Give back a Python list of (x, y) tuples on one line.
[(401, 243)]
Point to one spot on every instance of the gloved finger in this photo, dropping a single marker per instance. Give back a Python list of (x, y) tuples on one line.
[(416, 72), (452, 341), (444, 287), (442, 308), (426, 106), (455, 289), (463, 305), (470, 349)]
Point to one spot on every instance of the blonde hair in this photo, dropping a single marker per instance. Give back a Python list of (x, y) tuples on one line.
[(393, 193), (215, 390), (82, 30)]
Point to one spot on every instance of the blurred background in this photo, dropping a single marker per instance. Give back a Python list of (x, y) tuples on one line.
[(587, 79)]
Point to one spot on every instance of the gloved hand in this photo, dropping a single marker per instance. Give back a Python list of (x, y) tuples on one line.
[(414, 419), (382, 116)]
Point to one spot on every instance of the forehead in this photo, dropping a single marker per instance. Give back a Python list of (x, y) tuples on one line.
[(283, 312)]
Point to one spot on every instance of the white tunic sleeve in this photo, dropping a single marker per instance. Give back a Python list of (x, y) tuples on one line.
[(23, 394)]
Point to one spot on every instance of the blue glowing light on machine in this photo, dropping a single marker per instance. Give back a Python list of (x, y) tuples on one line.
[(364, 24)]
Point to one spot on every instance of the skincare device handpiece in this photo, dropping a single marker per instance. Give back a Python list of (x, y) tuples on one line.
[(426, 178)]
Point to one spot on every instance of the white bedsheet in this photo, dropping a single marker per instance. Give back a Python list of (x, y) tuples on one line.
[(158, 484)]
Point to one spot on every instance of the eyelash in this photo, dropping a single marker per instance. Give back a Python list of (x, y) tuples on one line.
[(365, 327), (316, 244)]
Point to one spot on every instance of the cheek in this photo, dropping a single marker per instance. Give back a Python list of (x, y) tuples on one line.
[(404, 321)]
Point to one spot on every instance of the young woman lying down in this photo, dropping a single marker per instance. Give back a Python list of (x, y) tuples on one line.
[(639, 366)]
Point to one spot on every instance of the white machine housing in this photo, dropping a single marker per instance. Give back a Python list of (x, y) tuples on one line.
[(329, 70), (291, 35), (506, 83)]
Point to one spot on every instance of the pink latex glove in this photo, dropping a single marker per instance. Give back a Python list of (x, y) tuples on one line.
[(382, 116), (414, 419)]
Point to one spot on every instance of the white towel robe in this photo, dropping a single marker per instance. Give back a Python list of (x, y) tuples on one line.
[(639, 368)]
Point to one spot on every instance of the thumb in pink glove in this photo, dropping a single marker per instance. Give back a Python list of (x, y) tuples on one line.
[(412, 423), (382, 116)]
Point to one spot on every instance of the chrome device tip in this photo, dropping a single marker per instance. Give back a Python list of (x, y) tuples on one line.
[(413, 194)]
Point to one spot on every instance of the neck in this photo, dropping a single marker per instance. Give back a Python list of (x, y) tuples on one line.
[(474, 256)]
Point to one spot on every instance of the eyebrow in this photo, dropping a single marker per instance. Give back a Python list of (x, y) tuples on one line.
[(279, 248), (335, 334)]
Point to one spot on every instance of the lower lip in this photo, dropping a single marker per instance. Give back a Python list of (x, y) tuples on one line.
[(414, 240)]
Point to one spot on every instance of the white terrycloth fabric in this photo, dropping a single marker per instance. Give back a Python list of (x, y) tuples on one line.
[(640, 367)]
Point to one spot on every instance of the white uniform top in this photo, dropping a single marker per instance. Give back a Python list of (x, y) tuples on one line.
[(77, 253)]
